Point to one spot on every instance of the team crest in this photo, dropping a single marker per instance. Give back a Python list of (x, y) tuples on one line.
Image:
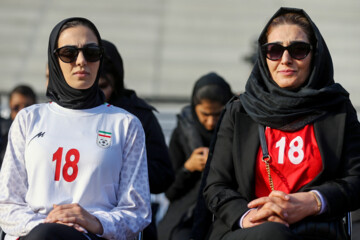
[(104, 139)]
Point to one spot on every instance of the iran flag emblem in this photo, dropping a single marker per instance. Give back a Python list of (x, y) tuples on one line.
[(104, 139)]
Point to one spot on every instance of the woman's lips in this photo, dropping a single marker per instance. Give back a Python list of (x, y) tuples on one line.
[(287, 72), (81, 74)]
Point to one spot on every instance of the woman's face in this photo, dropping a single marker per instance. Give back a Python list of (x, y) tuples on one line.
[(208, 113), (17, 102), (288, 72), (79, 74)]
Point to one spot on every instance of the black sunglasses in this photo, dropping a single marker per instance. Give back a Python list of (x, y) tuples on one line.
[(297, 50), (68, 54)]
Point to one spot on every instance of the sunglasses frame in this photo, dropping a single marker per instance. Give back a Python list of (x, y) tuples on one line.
[(56, 52), (288, 48)]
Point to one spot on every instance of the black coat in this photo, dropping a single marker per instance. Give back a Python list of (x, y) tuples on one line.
[(161, 174), (231, 181), (183, 193)]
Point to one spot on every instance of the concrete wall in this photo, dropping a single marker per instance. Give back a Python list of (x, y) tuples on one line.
[(168, 44)]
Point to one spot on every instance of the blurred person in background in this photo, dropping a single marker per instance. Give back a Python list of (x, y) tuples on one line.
[(20, 97), (160, 170), (189, 151)]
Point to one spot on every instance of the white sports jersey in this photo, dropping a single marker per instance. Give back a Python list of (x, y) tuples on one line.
[(94, 157)]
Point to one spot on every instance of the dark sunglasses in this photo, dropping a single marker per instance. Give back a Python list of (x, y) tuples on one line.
[(68, 54), (297, 50)]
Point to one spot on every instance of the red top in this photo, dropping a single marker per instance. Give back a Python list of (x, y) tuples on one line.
[(295, 160)]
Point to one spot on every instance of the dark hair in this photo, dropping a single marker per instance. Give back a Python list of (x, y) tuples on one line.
[(296, 19), (25, 91), (212, 87), (212, 92)]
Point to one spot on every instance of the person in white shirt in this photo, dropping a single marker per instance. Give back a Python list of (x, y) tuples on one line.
[(74, 168)]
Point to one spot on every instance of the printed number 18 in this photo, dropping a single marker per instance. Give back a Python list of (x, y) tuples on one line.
[(72, 158), (295, 153)]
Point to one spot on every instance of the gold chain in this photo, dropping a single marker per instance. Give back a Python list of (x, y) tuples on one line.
[(266, 160)]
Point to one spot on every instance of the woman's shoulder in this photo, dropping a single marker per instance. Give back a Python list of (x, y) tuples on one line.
[(344, 107), (234, 105), (37, 106), (32, 109)]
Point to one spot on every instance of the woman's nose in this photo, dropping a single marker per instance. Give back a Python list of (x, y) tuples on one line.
[(286, 58), (80, 60)]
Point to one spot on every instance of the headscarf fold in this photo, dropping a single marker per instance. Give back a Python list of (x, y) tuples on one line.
[(58, 90), (268, 104)]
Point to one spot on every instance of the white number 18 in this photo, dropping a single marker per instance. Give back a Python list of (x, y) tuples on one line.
[(294, 158)]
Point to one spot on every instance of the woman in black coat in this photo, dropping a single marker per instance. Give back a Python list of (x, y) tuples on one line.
[(305, 173), (189, 151)]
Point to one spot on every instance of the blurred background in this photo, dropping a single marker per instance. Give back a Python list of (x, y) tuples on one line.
[(167, 45)]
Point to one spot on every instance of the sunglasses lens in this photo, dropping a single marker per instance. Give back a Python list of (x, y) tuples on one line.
[(67, 54), (299, 50), (274, 51), (92, 54)]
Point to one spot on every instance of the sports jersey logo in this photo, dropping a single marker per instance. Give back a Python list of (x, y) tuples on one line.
[(39, 135), (104, 139)]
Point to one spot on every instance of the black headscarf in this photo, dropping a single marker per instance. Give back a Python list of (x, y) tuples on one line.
[(113, 64), (120, 97), (58, 90), (279, 108), (189, 112)]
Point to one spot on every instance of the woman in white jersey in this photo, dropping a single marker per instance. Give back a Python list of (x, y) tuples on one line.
[(74, 168)]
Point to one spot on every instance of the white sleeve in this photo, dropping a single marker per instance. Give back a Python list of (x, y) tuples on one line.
[(16, 217), (133, 212), (242, 218)]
